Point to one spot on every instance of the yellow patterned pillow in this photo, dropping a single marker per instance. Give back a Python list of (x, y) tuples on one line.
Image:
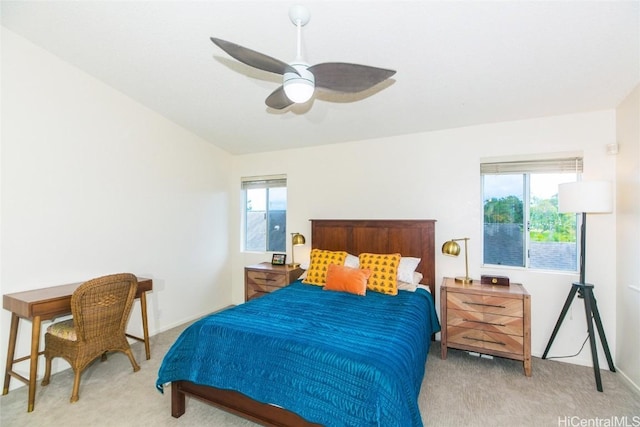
[(320, 260), (384, 272)]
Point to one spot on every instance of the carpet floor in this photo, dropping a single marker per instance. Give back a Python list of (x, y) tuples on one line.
[(461, 391)]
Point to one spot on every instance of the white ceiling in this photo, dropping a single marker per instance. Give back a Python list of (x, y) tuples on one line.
[(458, 63)]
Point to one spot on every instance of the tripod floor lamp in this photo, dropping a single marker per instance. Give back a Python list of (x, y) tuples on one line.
[(585, 197)]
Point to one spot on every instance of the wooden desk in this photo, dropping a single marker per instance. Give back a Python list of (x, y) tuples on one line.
[(46, 304)]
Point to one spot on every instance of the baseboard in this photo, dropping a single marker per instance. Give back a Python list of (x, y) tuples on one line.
[(186, 320), (635, 387)]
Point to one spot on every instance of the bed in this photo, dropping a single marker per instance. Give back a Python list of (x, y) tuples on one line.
[(302, 356)]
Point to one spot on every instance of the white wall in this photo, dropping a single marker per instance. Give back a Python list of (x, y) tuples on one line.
[(435, 175), (75, 152), (93, 183), (628, 245)]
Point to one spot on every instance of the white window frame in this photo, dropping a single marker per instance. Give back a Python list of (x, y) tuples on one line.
[(261, 182), (527, 167)]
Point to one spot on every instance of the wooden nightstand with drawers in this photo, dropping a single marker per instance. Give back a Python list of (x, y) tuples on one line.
[(260, 279), (487, 319)]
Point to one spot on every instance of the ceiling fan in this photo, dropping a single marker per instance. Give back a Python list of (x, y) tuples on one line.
[(299, 78)]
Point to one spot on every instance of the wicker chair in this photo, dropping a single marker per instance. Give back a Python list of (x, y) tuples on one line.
[(100, 309)]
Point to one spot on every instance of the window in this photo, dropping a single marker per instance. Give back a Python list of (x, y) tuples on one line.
[(265, 213), (522, 226)]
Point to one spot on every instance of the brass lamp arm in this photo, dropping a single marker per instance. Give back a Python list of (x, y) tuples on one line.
[(452, 248)]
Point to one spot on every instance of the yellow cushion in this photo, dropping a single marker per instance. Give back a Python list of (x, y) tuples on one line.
[(384, 272), (320, 260), (64, 330), (347, 279)]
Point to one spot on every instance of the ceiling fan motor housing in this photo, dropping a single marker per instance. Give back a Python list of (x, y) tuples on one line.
[(299, 88)]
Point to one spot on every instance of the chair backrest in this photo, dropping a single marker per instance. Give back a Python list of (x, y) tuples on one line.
[(101, 306)]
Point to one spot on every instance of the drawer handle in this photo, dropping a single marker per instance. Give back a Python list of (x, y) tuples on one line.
[(485, 305), (478, 339), (484, 323)]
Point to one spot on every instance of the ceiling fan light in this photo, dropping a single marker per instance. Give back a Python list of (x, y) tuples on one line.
[(299, 88)]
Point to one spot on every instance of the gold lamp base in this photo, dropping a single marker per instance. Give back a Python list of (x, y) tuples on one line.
[(293, 265), (464, 280)]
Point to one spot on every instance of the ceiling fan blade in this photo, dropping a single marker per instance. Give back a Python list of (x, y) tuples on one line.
[(278, 99), (253, 58), (350, 78)]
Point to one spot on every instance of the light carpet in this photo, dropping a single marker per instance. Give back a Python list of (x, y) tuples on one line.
[(461, 391)]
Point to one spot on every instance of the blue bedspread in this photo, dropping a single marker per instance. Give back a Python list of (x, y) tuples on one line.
[(333, 358)]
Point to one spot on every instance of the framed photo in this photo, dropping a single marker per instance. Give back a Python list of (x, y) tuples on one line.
[(278, 259)]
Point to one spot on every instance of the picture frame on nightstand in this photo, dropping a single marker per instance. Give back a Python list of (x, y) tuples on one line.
[(278, 259)]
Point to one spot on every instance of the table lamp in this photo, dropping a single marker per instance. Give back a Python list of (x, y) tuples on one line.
[(452, 248), (297, 239)]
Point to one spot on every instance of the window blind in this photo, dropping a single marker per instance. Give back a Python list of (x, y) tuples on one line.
[(572, 164), (267, 181)]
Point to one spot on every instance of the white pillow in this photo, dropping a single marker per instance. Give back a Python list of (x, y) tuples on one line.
[(352, 261), (406, 268), (411, 286), (406, 286)]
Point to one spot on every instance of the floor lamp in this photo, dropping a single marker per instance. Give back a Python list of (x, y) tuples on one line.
[(585, 197)]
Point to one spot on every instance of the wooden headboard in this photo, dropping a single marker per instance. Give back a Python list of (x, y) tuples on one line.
[(411, 238)]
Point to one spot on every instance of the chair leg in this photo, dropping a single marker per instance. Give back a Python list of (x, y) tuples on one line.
[(47, 371), (76, 386), (135, 365)]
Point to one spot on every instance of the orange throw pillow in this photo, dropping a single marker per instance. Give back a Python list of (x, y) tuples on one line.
[(347, 279)]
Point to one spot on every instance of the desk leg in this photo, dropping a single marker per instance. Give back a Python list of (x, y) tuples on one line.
[(145, 324), (33, 360), (13, 334)]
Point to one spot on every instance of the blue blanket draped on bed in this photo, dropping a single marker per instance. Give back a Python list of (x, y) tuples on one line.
[(331, 357)]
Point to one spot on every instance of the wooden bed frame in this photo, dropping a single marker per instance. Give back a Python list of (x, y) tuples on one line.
[(412, 238)]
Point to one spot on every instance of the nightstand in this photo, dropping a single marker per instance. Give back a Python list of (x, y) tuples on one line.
[(260, 279), (487, 319)]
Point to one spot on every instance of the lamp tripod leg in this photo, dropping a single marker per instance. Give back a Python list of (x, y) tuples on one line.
[(588, 295), (603, 338), (563, 313), (585, 291)]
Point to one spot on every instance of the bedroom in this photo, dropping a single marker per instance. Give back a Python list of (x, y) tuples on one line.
[(102, 183)]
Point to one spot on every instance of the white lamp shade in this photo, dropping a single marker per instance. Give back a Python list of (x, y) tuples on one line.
[(585, 196)]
